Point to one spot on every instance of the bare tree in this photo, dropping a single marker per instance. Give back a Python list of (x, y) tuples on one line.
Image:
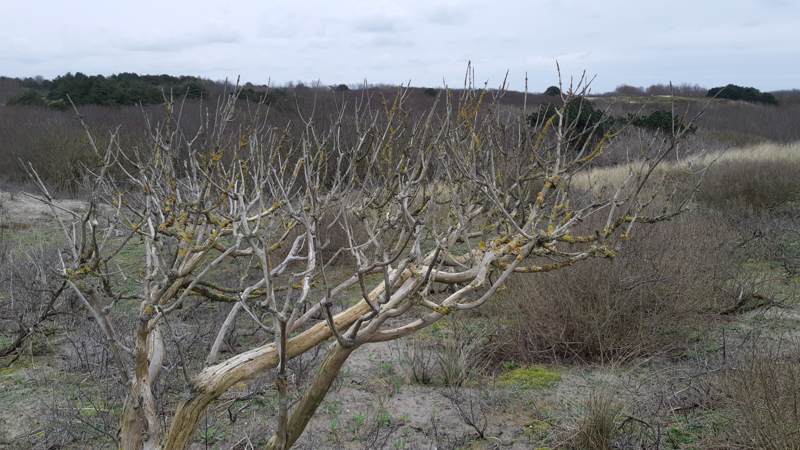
[(436, 212)]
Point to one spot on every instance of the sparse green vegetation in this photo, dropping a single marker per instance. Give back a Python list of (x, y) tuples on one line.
[(662, 121)]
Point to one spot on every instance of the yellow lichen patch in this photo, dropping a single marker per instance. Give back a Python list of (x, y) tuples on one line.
[(186, 235), (443, 310), (531, 377), (78, 273), (606, 252)]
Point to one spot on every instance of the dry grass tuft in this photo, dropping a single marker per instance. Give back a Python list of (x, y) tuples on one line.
[(597, 429)]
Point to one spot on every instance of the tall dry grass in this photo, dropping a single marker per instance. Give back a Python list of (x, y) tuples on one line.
[(758, 177)]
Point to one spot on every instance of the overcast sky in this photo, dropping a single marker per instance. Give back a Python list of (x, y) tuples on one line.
[(640, 42)]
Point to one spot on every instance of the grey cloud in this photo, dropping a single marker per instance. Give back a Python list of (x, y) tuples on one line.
[(179, 42), (385, 40), (448, 15), (377, 24)]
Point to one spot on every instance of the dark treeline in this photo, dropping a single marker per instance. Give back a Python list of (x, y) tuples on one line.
[(746, 94), (729, 92), (115, 90)]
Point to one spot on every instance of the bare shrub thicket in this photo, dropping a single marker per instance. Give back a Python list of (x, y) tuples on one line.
[(751, 185), (54, 140), (32, 296), (83, 410), (760, 396), (757, 191), (472, 407), (9, 87), (724, 124), (667, 280), (440, 436), (679, 90)]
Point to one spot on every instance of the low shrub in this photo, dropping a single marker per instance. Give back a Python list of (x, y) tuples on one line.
[(28, 98), (761, 397), (552, 91), (418, 359), (452, 357), (667, 279), (580, 115), (459, 353), (734, 184), (663, 121)]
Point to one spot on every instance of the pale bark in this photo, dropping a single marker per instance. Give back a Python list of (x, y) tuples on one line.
[(213, 381), (213, 354), (314, 395), (139, 426)]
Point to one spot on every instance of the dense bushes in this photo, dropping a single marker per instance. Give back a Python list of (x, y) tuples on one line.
[(28, 98), (747, 94), (586, 119), (553, 91), (580, 115), (668, 276), (662, 121)]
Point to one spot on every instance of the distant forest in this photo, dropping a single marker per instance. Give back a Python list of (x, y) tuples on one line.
[(133, 89), (119, 89)]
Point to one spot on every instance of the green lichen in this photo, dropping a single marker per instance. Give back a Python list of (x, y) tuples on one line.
[(537, 430), (693, 429), (531, 377)]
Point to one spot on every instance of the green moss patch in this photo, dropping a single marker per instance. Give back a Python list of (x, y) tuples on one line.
[(531, 377)]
